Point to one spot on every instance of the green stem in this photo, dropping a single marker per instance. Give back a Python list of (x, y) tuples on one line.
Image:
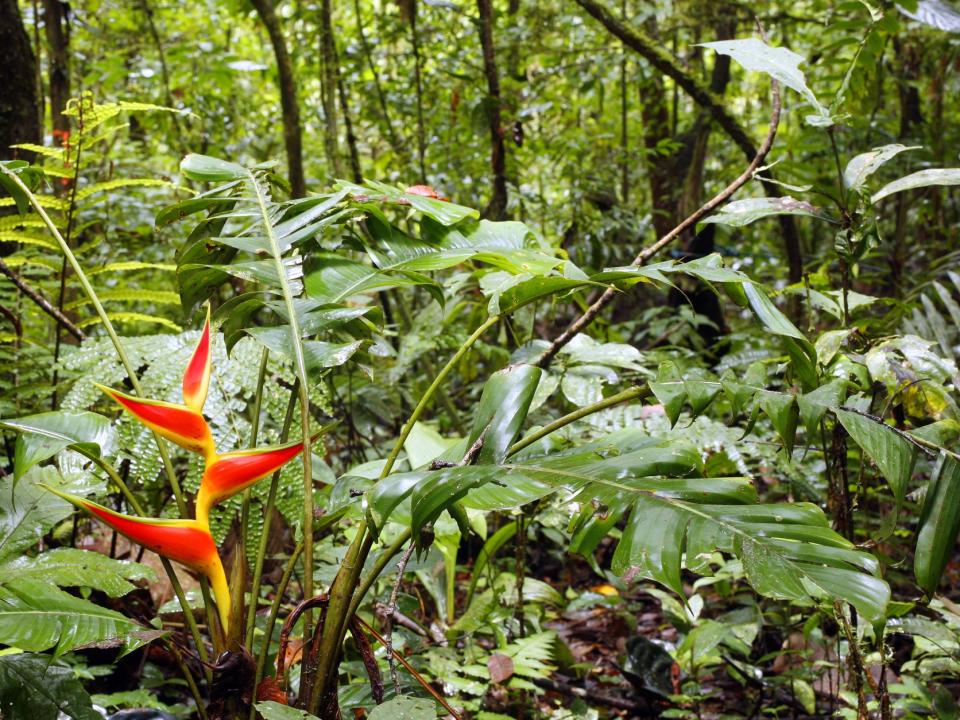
[(272, 618), (384, 558), (267, 517), (245, 508), (131, 373), (641, 391), (345, 583), (428, 395), (188, 676), (300, 366)]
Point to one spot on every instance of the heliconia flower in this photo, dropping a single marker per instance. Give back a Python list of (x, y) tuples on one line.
[(178, 423), (196, 378), (227, 474), (187, 542)]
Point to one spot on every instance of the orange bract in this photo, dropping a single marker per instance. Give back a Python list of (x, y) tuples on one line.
[(196, 378)]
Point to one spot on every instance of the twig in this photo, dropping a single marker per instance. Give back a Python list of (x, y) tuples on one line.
[(391, 609), (410, 669), (42, 302), (600, 303)]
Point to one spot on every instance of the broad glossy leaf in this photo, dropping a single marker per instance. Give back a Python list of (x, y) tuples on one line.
[(780, 63), (864, 165), (36, 616), (894, 455), (935, 13), (502, 410), (939, 524), (42, 436), (923, 178), (39, 688), (69, 567), (740, 213)]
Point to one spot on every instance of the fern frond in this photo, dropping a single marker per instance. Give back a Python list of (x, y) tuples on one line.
[(121, 317), (160, 297)]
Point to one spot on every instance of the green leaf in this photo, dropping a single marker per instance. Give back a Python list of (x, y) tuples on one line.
[(923, 178), (42, 436), (334, 279), (814, 404), (939, 523), (784, 413), (28, 512), (740, 213), (781, 64), (864, 165), (894, 455), (69, 567), (424, 444), (37, 687), (403, 708), (210, 169), (271, 710), (36, 616), (317, 354), (502, 410)]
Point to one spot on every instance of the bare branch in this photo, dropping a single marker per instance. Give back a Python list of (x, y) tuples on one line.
[(600, 303), (42, 302)]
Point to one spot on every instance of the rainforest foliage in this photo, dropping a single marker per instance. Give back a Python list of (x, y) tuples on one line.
[(497, 359)]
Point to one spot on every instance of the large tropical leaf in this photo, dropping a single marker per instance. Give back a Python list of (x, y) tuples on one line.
[(672, 518), (939, 523), (37, 616)]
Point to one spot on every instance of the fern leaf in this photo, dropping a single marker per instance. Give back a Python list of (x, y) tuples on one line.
[(132, 265), (121, 317), (159, 297)]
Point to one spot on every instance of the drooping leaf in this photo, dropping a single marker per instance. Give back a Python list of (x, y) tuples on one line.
[(864, 165), (740, 213), (922, 178), (894, 455), (784, 413), (939, 523), (42, 436), (502, 410), (780, 63)]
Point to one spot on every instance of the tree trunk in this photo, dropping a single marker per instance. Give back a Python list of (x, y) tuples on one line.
[(57, 27), (288, 96), (497, 207), (19, 119), (328, 89)]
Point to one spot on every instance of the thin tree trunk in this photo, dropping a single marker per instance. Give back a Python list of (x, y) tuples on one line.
[(351, 137), (381, 97), (328, 89), (57, 27), (19, 119), (624, 128), (288, 96), (497, 206), (417, 73)]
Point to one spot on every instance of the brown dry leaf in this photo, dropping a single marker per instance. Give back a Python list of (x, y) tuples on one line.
[(500, 667), (269, 690)]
